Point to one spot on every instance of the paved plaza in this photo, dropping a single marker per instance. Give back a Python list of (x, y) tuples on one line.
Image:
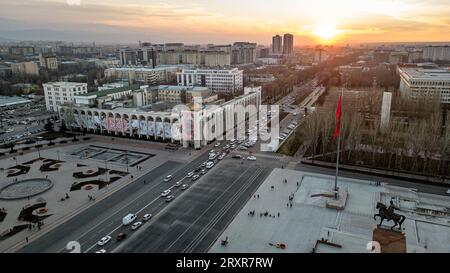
[(56, 183), (294, 214)]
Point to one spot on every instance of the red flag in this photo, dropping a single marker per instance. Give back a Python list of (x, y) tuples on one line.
[(337, 131)]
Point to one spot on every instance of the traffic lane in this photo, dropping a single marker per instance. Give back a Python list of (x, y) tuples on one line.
[(439, 190), (56, 239), (149, 203), (180, 223)]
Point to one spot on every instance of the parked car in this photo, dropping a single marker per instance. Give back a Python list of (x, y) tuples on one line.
[(204, 171), (147, 217), (217, 144), (185, 186), (190, 174), (103, 241), (209, 165), (251, 158), (237, 156), (121, 236), (165, 193), (100, 251), (178, 184)]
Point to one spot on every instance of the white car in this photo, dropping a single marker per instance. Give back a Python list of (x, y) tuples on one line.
[(178, 184), (101, 251), (168, 178), (209, 165), (165, 193), (147, 217), (251, 158), (136, 225), (190, 174), (448, 192), (217, 144), (103, 241)]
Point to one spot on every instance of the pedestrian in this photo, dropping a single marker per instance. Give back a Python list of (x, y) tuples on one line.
[(291, 205), (26, 239), (297, 183), (144, 181), (254, 196), (258, 196), (278, 215), (287, 205)]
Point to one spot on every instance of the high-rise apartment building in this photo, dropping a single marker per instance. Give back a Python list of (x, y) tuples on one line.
[(436, 53), (277, 44), (243, 53), (127, 56), (288, 44)]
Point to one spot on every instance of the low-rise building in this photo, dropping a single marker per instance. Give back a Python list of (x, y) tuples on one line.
[(416, 82), (49, 61), (27, 68), (59, 93), (217, 80)]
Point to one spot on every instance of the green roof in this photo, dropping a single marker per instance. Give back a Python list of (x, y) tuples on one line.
[(110, 91)]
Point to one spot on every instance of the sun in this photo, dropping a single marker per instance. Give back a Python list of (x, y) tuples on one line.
[(326, 32)]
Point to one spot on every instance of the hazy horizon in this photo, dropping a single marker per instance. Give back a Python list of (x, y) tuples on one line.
[(215, 21)]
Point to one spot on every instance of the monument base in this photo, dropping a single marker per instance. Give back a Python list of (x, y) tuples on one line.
[(390, 241), (339, 203)]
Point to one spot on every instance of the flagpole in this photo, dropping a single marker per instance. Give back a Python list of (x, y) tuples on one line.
[(336, 190)]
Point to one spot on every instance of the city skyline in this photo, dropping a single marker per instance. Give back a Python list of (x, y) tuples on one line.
[(213, 21)]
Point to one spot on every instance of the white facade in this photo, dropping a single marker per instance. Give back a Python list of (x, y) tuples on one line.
[(59, 93), (419, 82), (436, 53), (217, 80), (194, 125)]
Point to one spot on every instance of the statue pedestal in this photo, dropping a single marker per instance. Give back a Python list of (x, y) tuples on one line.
[(390, 241)]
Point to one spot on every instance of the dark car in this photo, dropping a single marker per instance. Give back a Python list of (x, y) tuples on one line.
[(121, 236)]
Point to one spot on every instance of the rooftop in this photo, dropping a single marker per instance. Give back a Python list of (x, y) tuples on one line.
[(109, 91), (74, 84), (417, 73), (9, 101)]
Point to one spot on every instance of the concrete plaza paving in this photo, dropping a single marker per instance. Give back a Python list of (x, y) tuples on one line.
[(62, 180), (427, 224)]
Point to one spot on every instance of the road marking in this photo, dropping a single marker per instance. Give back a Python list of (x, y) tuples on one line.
[(215, 201), (205, 230)]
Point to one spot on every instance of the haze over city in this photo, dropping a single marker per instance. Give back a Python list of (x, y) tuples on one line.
[(214, 21), (227, 133)]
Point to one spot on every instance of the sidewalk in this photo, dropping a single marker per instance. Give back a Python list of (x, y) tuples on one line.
[(384, 173)]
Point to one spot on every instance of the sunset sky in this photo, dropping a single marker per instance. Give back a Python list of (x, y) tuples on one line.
[(225, 21)]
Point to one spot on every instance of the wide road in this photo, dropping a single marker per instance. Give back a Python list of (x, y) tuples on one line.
[(99, 218), (194, 222), (105, 217)]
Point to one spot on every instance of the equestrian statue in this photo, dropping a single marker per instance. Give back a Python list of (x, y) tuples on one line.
[(388, 213)]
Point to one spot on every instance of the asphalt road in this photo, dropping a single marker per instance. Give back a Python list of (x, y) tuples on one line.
[(194, 222), (91, 224), (105, 217), (420, 187)]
